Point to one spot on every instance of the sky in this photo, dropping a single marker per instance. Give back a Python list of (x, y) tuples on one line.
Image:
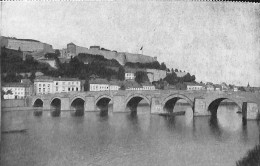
[(215, 41)]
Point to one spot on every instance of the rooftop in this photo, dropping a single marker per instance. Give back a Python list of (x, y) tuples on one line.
[(15, 84)]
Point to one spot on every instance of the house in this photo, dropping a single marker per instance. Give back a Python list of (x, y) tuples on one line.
[(218, 87), (130, 72), (45, 85), (100, 84), (16, 90), (224, 86), (129, 76), (148, 86), (66, 85), (210, 87), (195, 86)]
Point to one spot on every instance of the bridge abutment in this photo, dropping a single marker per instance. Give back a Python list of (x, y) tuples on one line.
[(200, 108), (250, 111)]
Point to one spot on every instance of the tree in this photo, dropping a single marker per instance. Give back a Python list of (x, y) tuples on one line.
[(242, 89), (141, 77), (121, 73), (122, 87), (2, 94), (57, 52), (163, 66), (171, 78), (32, 76)]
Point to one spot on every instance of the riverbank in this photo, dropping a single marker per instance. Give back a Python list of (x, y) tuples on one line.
[(252, 158)]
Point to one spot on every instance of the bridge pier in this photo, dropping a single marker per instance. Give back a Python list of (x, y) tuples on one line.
[(156, 107), (250, 111), (46, 104), (119, 104), (90, 103), (200, 108), (65, 104)]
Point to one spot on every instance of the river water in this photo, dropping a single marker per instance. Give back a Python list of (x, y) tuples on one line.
[(123, 139)]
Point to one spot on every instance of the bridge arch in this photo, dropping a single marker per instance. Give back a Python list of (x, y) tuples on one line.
[(102, 103), (132, 102), (38, 102), (214, 104), (77, 106), (55, 105), (170, 101)]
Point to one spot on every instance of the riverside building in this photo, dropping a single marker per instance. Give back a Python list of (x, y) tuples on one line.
[(45, 85), (16, 90)]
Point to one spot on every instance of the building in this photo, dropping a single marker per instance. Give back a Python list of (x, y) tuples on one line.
[(122, 57), (100, 84), (133, 85), (210, 87), (130, 73), (224, 86), (16, 90), (27, 45), (45, 85), (195, 86), (129, 76), (218, 87), (66, 85), (51, 62), (147, 86), (155, 75)]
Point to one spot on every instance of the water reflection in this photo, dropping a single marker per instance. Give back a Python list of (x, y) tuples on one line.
[(128, 139)]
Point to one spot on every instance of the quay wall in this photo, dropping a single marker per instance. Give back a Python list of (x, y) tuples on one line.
[(13, 103)]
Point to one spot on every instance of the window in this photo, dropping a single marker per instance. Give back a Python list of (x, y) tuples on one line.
[(68, 89), (48, 85), (40, 89), (72, 89), (40, 85), (56, 83), (77, 89)]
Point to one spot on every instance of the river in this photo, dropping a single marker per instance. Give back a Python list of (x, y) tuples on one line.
[(123, 139)]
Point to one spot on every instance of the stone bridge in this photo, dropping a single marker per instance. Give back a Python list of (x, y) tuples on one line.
[(160, 101)]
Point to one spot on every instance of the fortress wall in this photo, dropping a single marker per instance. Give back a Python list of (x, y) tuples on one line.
[(48, 48), (31, 46), (24, 45), (81, 50), (139, 58), (121, 57)]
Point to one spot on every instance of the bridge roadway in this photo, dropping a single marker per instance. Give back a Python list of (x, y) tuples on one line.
[(161, 101)]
